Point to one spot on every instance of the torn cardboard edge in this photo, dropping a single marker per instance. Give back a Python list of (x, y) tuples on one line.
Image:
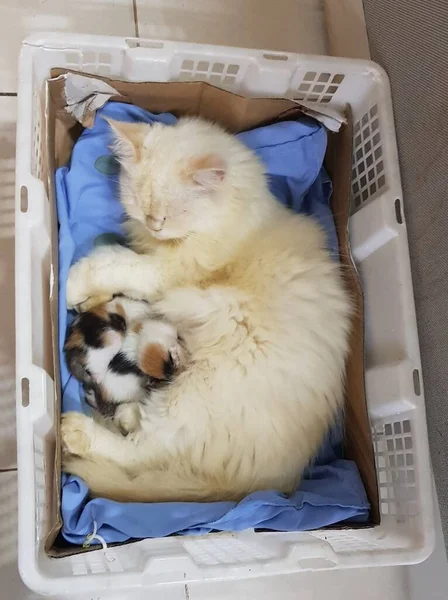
[(85, 94), (235, 113)]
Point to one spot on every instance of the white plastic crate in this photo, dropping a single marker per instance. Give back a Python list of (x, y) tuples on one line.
[(379, 244)]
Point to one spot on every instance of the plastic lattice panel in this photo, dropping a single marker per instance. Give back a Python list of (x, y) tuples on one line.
[(368, 174), (41, 503), (96, 562), (318, 87), (215, 72), (345, 542), (226, 551), (394, 455), (97, 63), (37, 156)]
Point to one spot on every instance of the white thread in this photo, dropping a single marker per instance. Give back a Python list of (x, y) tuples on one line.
[(95, 536)]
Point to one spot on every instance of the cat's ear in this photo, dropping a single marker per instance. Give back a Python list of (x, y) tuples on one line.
[(128, 139), (208, 171)]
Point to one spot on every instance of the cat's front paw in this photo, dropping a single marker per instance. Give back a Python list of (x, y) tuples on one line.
[(80, 284), (77, 434), (96, 278)]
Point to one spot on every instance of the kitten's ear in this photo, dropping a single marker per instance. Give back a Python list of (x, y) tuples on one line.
[(208, 171), (128, 139)]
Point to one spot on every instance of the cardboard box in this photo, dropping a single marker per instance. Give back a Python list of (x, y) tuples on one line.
[(236, 114)]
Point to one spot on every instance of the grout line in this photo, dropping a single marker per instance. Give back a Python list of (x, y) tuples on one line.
[(8, 93), (135, 11)]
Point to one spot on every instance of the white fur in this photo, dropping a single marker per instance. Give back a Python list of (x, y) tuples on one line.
[(98, 359), (259, 303), (123, 388), (127, 387), (134, 310)]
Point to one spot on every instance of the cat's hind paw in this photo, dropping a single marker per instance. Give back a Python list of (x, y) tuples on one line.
[(77, 434)]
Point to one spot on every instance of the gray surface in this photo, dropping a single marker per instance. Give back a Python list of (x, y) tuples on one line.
[(409, 38)]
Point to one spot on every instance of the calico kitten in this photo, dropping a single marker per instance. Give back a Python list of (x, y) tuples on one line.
[(102, 352)]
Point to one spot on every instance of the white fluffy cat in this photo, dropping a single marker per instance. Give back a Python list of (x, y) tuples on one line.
[(260, 304)]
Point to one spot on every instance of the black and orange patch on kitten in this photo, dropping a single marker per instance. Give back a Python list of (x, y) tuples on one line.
[(156, 361), (101, 351), (88, 330)]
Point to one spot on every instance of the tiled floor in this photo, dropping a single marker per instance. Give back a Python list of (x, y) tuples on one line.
[(7, 334), (294, 25), (281, 25), (21, 17)]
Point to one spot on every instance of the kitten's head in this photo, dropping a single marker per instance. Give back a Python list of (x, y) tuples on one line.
[(172, 177)]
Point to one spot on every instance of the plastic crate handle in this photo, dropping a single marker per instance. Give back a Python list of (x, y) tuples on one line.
[(35, 393)]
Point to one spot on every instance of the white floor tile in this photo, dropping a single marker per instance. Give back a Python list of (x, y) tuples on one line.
[(7, 330), (353, 584), (288, 25), (19, 18), (429, 580), (11, 585), (346, 29)]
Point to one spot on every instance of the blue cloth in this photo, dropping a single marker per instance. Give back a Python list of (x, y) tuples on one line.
[(88, 207)]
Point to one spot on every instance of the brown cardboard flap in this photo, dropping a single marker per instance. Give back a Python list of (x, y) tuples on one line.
[(237, 113), (358, 437), (54, 508), (191, 98)]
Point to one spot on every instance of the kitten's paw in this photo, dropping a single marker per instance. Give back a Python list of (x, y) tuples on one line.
[(91, 397), (127, 417), (175, 355), (77, 433)]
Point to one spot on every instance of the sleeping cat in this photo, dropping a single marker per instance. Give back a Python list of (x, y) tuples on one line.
[(262, 308), (103, 350)]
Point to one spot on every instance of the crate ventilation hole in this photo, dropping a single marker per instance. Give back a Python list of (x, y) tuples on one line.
[(318, 87), (368, 175), (96, 63), (37, 158), (216, 73), (230, 551), (341, 541), (394, 457), (139, 43)]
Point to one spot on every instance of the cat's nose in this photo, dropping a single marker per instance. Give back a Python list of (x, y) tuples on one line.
[(156, 224)]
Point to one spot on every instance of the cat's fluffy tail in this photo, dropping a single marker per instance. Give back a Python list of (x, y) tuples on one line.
[(107, 480)]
